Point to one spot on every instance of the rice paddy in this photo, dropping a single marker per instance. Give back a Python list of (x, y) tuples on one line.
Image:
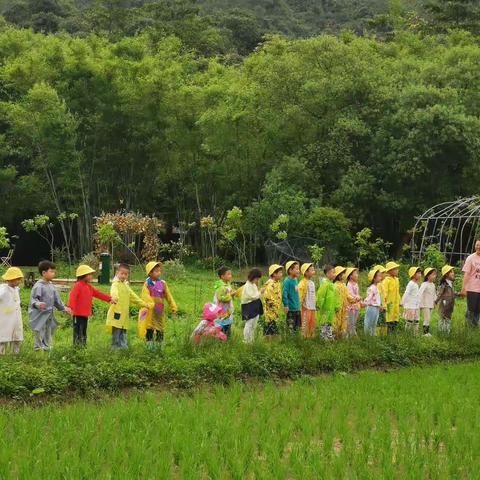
[(411, 423)]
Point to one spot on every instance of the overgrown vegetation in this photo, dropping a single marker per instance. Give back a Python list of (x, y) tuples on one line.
[(334, 133)]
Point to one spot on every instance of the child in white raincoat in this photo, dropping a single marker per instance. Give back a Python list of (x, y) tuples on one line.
[(11, 325)]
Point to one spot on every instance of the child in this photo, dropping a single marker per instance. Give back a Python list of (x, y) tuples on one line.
[(252, 306), (272, 297), (428, 296), (290, 296), (341, 317), (80, 302), (155, 291), (328, 302), (118, 315), (353, 309), (411, 300), (446, 299), (207, 326), (391, 288), (11, 325), (373, 301), (306, 289), (382, 320), (223, 297), (43, 300)]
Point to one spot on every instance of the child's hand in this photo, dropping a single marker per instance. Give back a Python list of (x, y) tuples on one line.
[(286, 309), (68, 310), (42, 305), (113, 301), (143, 313)]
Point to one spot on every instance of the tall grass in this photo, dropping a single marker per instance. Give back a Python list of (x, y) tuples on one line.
[(411, 423)]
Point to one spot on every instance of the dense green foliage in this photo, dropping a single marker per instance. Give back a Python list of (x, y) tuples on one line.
[(331, 133), (409, 423)]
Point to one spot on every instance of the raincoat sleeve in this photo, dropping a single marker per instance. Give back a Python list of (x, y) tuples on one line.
[(36, 296), (100, 295), (170, 300), (72, 298), (322, 296), (114, 291), (223, 294), (302, 290), (285, 294), (134, 298), (57, 301), (350, 298)]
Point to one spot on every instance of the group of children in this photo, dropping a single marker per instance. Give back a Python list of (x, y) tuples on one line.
[(335, 305)]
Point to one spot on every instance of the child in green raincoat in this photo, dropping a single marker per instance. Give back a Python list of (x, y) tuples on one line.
[(223, 297), (118, 316), (328, 303)]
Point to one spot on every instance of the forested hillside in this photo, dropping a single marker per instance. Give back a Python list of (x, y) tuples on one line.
[(315, 137)]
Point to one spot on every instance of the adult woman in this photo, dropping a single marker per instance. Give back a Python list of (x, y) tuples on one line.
[(471, 285)]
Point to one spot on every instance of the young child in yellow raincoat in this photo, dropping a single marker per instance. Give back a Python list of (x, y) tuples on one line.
[(272, 296), (382, 319), (155, 291), (118, 316), (340, 323), (391, 290)]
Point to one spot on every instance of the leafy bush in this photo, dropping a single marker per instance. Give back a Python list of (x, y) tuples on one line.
[(4, 240), (174, 270), (91, 259), (370, 252), (433, 257), (87, 371), (331, 229)]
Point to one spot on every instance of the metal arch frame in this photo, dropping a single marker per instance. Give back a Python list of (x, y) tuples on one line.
[(452, 226)]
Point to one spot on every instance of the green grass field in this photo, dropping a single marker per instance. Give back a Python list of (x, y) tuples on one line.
[(407, 424)]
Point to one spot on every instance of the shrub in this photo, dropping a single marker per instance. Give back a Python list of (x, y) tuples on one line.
[(91, 259), (174, 270)]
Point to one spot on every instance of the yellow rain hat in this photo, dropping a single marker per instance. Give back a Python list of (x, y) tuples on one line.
[(84, 270), (373, 272), (391, 266), (446, 269), (339, 270), (380, 268), (428, 270), (305, 267), (150, 266), (412, 271), (273, 268), (290, 264), (12, 273), (349, 271)]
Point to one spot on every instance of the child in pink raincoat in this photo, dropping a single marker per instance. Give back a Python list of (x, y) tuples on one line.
[(207, 326)]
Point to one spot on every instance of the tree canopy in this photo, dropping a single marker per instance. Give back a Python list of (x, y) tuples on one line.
[(363, 130)]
